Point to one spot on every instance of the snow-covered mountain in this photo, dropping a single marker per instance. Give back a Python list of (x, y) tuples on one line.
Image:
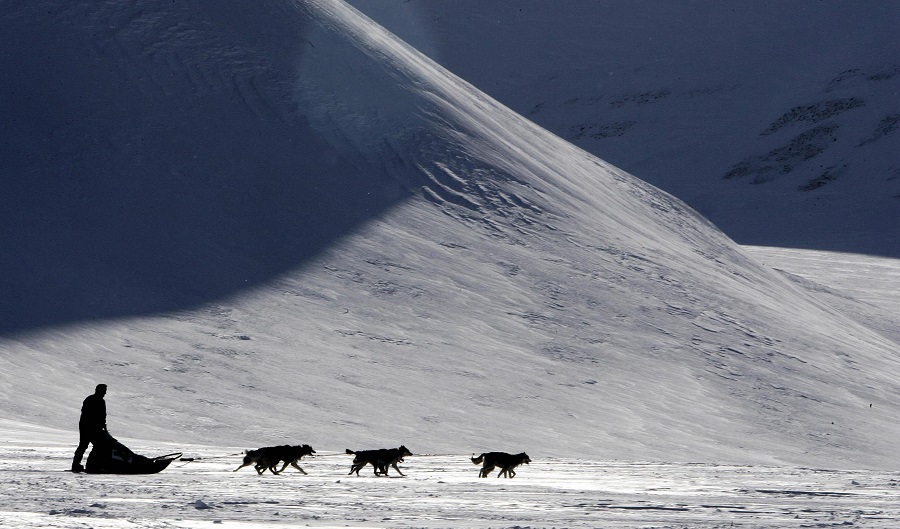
[(279, 222), (777, 121)]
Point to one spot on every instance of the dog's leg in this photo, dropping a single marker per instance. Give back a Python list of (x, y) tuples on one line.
[(395, 468), (295, 465), (282, 468)]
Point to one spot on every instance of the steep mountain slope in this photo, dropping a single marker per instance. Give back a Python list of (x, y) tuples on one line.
[(776, 121), (504, 289), (151, 157)]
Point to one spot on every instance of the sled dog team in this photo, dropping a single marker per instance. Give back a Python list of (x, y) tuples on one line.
[(268, 457)]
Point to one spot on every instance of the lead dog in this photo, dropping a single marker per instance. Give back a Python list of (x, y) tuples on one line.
[(380, 459), (506, 463), (268, 457)]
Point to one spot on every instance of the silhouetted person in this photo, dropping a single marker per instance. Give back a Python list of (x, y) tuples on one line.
[(92, 425)]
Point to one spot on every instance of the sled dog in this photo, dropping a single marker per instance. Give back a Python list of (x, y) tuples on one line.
[(268, 457), (505, 462), (380, 459)]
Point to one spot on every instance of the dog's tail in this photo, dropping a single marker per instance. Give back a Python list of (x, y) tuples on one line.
[(477, 460), (351, 452)]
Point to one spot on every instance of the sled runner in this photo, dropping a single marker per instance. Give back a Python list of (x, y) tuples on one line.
[(109, 456)]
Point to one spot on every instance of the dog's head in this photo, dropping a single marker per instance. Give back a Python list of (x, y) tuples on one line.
[(404, 451), (525, 458), (305, 449)]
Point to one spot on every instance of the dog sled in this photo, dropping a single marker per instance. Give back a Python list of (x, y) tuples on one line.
[(109, 456)]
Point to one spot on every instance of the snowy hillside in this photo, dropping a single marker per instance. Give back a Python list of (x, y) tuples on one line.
[(280, 223), (777, 121)]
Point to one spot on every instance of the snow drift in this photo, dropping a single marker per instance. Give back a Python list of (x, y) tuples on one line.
[(282, 222)]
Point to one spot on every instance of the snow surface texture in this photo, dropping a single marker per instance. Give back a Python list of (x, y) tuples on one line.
[(778, 122), (439, 490), (281, 224)]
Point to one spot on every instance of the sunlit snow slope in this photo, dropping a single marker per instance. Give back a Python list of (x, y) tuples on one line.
[(383, 255), (780, 122)]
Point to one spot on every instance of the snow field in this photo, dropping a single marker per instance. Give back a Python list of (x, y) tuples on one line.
[(439, 491)]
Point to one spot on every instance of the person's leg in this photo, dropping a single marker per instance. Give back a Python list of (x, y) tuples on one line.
[(83, 441)]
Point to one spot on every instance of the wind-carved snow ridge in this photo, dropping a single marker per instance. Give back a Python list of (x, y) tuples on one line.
[(413, 129), (449, 142), (693, 103)]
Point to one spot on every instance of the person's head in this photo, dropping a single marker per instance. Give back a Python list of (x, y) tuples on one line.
[(100, 390)]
